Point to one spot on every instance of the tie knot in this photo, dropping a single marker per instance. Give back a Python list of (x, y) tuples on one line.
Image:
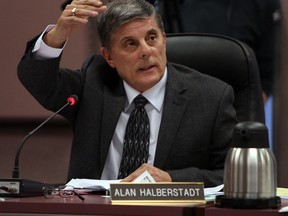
[(140, 101)]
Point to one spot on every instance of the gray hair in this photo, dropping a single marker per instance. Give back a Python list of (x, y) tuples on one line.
[(119, 12)]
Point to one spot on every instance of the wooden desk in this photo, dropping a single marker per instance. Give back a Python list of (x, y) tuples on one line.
[(93, 205), (215, 211), (100, 206)]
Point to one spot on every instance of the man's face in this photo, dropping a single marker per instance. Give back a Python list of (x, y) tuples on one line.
[(138, 52)]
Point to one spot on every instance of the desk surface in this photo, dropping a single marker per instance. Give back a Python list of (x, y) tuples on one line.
[(215, 211), (99, 205), (93, 205)]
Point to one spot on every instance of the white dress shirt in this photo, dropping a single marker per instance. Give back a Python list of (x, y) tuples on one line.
[(154, 109)]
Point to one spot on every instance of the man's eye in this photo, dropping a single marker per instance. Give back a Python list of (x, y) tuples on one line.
[(130, 44), (152, 37)]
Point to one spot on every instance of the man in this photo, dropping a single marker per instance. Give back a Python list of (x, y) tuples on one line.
[(191, 115)]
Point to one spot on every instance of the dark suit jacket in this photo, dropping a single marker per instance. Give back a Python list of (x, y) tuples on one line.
[(195, 132)]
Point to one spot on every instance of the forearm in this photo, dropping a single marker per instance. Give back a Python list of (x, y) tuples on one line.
[(42, 50)]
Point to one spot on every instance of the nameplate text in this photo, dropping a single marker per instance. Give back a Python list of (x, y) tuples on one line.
[(158, 192)]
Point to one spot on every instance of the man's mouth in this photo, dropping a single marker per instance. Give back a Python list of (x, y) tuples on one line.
[(147, 68)]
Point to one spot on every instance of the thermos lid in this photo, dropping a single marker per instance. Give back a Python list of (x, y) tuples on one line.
[(250, 134)]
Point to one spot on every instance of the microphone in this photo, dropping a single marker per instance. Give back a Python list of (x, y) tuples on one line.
[(15, 186), (70, 101)]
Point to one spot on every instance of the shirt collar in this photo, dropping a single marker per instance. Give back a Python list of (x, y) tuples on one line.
[(154, 95)]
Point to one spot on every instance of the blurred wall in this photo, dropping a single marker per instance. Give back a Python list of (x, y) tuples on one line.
[(19, 23), (280, 130), (46, 154)]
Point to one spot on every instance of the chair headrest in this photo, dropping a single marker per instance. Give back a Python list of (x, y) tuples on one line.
[(229, 59)]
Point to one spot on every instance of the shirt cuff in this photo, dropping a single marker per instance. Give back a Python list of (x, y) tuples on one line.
[(41, 50)]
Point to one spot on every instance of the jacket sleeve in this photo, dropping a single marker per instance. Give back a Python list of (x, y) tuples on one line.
[(46, 82)]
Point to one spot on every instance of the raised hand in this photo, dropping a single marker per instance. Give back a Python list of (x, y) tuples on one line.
[(73, 16)]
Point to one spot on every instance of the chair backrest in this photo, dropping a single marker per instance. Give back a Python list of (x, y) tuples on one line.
[(227, 59)]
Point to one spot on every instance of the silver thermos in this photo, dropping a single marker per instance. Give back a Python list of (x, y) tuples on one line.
[(250, 172)]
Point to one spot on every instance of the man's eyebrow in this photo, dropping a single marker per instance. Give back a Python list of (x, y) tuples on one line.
[(152, 30), (125, 38), (130, 37)]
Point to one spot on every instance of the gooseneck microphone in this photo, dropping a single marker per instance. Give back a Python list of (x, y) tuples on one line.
[(70, 101), (17, 187)]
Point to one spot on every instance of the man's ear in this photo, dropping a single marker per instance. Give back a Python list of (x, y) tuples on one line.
[(107, 56)]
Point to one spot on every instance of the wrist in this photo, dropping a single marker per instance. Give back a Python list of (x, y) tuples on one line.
[(50, 39)]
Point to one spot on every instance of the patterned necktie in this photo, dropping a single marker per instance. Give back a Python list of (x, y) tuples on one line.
[(136, 139)]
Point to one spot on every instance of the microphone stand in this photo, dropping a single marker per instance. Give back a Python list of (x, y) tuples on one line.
[(17, 187), (15, 173)]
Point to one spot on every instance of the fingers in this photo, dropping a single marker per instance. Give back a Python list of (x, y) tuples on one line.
[(73, 16), (158, 174), (81, 10)]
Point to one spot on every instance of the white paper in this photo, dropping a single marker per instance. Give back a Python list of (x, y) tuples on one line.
[(93, 184), (145, 177), (212, 192), (284, 209)]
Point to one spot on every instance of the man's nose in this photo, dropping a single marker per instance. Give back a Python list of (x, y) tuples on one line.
[(145, 50)]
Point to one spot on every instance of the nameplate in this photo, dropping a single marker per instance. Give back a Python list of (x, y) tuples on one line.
[(157, 192)]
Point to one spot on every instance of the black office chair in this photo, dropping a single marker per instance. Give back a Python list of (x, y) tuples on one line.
[(227, 59)]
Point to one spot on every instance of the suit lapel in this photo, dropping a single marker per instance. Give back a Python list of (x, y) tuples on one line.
[(112, 107), (174, 106)]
